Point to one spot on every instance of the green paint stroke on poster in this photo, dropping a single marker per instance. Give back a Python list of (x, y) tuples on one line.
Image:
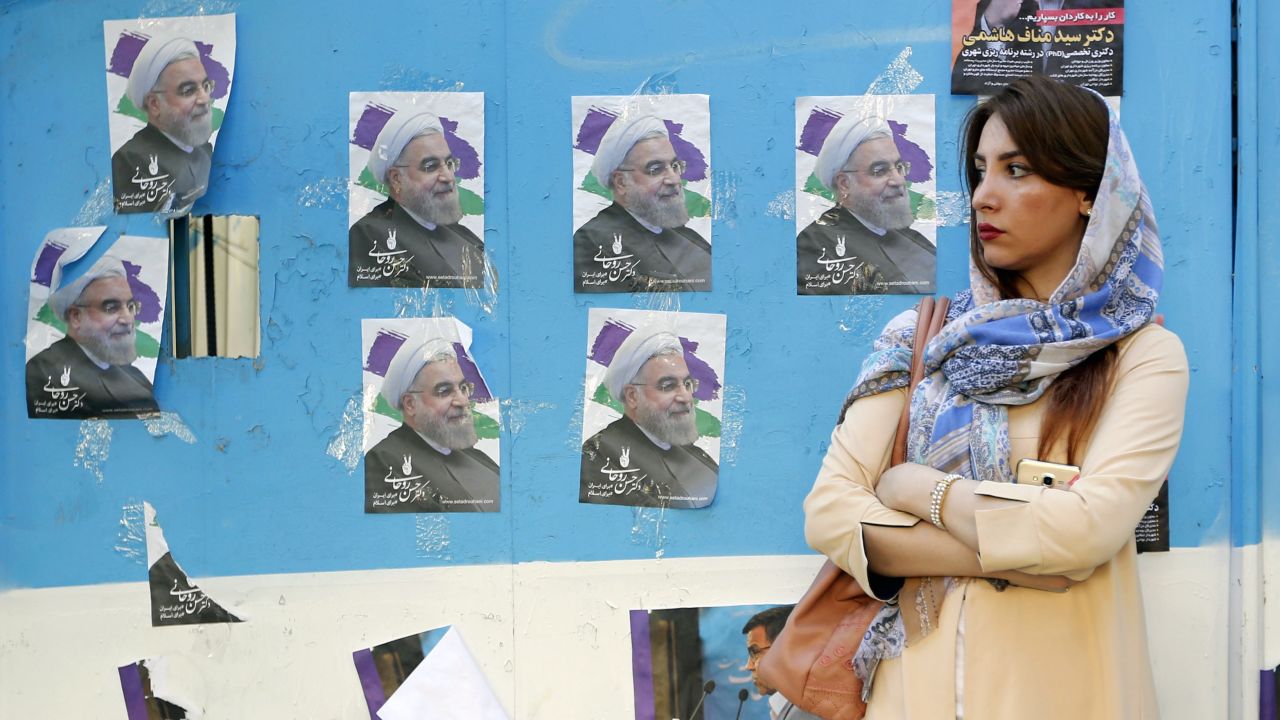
[(486, 427), (698, 205), (472, 204), (148, 346), (708, 424), (126, 107)]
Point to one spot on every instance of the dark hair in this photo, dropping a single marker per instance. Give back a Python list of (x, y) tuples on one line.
[(1063, 131), (772, 620)]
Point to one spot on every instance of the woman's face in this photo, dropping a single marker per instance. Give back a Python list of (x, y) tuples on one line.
[(1026, 224)]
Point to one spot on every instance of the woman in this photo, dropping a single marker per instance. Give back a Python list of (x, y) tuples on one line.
[(1021, 601)]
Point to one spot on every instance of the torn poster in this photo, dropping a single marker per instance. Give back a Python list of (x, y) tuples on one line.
[(175, 600), (168, 82), (705, 660), (431, 674), (160, 689), (641, 193), (430, 420), (416, 190), (93, 326), (994, 42), (652, 408), (866, 195)]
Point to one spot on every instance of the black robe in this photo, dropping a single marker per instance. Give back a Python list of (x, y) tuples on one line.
[(613, 252), (462, 481), (451, 256), (622, 466), (62, 382), (900, 261), (178, 179)]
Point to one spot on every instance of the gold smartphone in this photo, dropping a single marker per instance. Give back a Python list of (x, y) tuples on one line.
[(1046, 474)]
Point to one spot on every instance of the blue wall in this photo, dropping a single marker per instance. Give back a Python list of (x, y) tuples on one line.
[(257, 492)]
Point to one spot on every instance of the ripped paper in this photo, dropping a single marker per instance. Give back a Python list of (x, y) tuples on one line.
[(175, 599), (429, 675)]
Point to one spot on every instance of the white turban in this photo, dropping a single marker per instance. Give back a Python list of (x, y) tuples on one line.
[(633, 353), (64, 296), (399, 131), (156, 55), (618, 140), (412, 356), (845, 137)]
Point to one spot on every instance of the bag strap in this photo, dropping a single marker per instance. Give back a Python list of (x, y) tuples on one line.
[(930, 317)]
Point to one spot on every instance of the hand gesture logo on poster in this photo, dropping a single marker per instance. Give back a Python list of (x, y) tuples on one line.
[(416, 190), (431, 423), (641, 198), (865, 195), (652, 408), (168, 82)]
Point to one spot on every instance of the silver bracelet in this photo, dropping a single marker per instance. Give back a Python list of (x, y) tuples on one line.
[(938, 496)]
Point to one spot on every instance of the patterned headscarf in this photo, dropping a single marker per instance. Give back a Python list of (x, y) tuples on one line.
[(994, 353)]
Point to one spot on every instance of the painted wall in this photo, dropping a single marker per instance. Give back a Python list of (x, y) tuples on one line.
[(256, 473)]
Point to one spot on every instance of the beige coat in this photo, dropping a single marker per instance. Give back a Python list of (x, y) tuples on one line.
[(1027, 653)]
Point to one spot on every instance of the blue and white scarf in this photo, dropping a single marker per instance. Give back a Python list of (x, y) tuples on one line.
[(994, 353)]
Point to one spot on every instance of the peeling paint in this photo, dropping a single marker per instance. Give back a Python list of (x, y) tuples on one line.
[(724, 198), (648, 528), (329, 193), (590, 634), (783, 206), (175, 8), (131, 537), (734, 410), (518, 413), (861, 316), (431, 533), (169, 423), (97, 208), (953, 209), (94, 446), (346, 444), (897, 79), (404, 77)]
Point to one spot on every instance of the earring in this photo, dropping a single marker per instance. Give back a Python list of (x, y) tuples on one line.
[(1088, 211)]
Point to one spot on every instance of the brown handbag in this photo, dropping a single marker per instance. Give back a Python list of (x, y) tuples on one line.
[(811, 660)]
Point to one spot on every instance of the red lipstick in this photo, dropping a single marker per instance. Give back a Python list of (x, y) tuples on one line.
[(987, 231)]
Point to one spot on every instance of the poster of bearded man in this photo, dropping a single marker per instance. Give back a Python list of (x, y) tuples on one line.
[(866, 199), (168, 82), (416, 190), (641, 193), (653, 401)]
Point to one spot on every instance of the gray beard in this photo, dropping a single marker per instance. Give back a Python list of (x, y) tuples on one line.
[(681, 430), (193, 132), (893, 214), (452, 435), (661, 212), (113, 351), (428, 207)]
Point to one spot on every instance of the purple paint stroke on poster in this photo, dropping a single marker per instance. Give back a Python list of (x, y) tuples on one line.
[(592, 130), (641, 665), (385, 345), (696, 162), (127, 48), (47, 260), (142, 292), (468, 158), (608, 341), (471, 374), (708, 381), (816, 129), (371, 122), (135, 700), (369, 681), (921, 165)]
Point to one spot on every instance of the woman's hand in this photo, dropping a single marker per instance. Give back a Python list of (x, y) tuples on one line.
[(1047, 583)]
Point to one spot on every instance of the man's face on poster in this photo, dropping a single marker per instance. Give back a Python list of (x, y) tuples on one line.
[(660, 400), (181, 102), (102, 321), (422, 180), (757, 645), (647, 183), (873, 184), (438, 405)]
